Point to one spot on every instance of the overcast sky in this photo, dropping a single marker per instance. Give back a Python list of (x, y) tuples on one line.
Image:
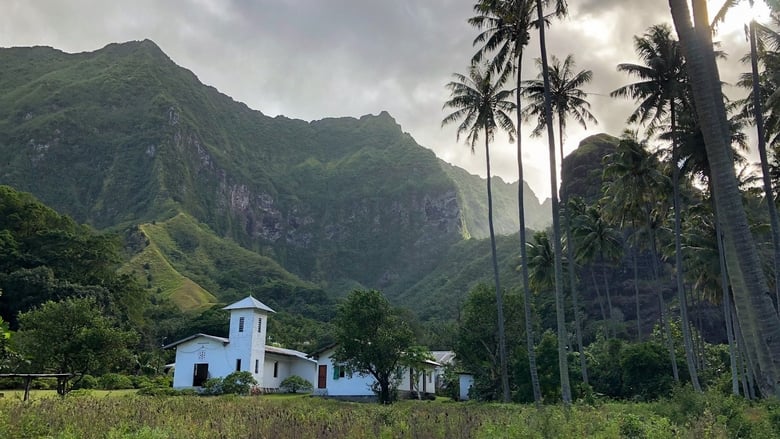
[(311, 59)]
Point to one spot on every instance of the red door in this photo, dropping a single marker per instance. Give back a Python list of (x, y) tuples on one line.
[(322, 377)]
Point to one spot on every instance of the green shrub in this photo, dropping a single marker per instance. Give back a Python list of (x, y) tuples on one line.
[(163, 381), (238, 383), (294, 384), (213, 386), (87, 381), (114, 381), (645, 371), (140, 381)]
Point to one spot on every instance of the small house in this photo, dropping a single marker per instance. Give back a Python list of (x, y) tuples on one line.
[(336, 380), (202, 356)]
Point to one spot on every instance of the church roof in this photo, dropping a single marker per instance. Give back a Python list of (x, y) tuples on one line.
[(222, 340), (288, 352), (249, 303)]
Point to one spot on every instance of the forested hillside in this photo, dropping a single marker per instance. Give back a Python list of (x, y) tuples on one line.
[(122, 137)]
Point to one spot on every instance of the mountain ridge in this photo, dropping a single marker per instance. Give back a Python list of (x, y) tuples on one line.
[(124, 136)]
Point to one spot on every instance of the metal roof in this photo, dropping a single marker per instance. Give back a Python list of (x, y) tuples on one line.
[(223, 340), (249, 303)]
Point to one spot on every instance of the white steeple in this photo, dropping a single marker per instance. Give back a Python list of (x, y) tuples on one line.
[(248, 321)]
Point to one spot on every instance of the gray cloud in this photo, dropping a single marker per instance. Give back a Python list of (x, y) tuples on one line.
[(311, 59)]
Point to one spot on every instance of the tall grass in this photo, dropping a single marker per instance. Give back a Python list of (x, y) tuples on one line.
[(304, 417)]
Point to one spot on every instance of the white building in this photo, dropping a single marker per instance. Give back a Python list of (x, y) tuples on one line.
[(201, 356), (334, 380)]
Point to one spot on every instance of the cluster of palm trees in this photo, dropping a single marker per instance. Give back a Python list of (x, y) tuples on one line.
[(691, 117)]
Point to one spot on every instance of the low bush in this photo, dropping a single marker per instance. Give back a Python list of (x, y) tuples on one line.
[(238, 383), (141, 381), (115, 381), (86, 381), (295, 384)]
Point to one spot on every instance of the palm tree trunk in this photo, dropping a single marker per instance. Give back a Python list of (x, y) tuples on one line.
[(661, 303), (684, 323), (761, 140), (598, 296), (755, 310), (563, 364), (529, 328), (636, 298), (724, 284), (499, 293), (570, 258), (747, 366), (608, 294)]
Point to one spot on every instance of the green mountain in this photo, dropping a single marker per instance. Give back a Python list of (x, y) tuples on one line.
[(123, 138)]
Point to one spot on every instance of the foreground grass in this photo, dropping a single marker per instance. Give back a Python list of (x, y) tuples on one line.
[(18, 395), (303, 417)]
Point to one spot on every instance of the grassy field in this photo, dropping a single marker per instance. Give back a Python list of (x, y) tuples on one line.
[(130, 416)]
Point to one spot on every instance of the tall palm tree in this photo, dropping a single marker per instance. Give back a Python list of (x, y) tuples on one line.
[(755, 310), (661, 86), (505, 31), (598, 241), (633, 184), (560, 314), (706, 270), (568, 101), (758, 120), (483, 106)]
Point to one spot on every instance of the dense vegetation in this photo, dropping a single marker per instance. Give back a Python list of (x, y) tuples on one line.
[(672, 194)]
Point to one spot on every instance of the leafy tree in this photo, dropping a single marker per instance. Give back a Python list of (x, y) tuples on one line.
[(72, 336), (8, 358), (294, 384), (643, 366), (477, 342), (482, 105), (371, 339)]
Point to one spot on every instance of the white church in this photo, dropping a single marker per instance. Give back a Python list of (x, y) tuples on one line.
[(201, 356)]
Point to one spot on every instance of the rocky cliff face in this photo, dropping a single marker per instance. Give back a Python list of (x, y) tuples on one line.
[(123, 135)]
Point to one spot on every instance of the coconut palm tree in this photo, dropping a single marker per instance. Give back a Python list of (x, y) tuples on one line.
[(755, 311), (661, 86), (482, 106), (505, 31), (633, 184), (758, 120), (568, 101), (560, 314), (598, 241), (706, 270)]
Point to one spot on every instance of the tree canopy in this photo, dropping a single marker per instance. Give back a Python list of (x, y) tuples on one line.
[(372, 339)]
